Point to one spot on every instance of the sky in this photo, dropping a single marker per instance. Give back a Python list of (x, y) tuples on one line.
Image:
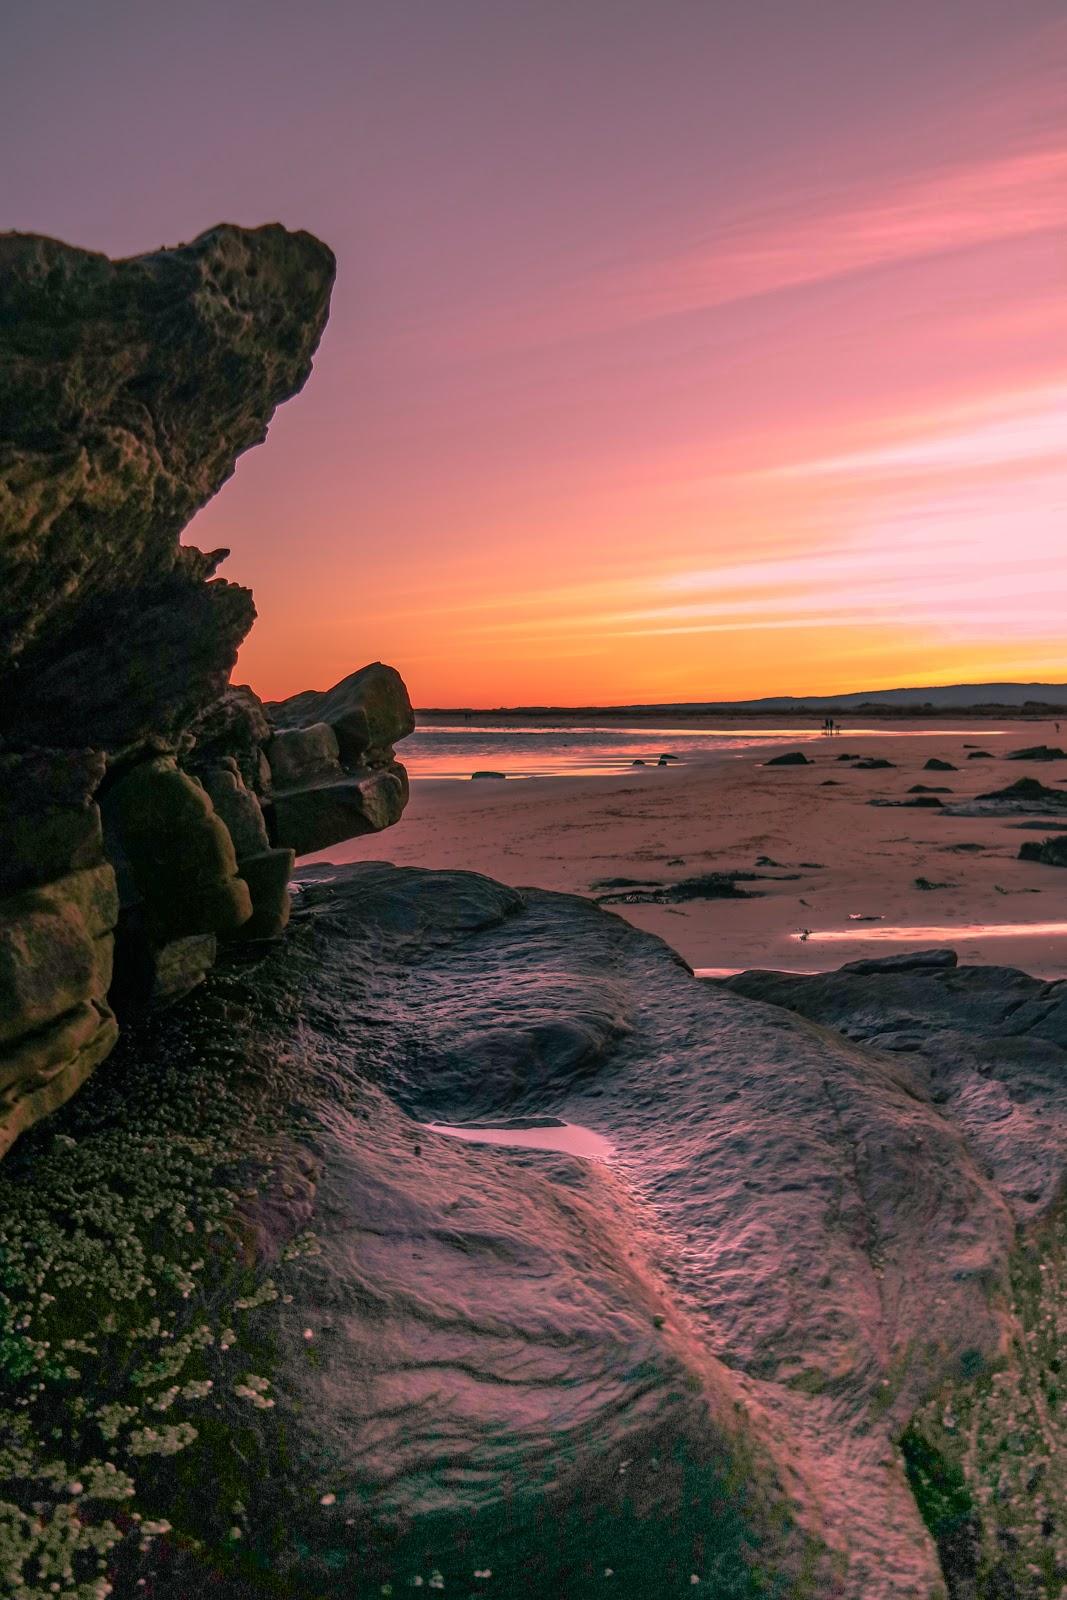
[(680, 349)]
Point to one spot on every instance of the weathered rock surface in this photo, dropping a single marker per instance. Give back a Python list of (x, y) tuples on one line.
[(368, 710), (127, 391), (334, 772), (695, 1362), (791, 758), (987, 1460)]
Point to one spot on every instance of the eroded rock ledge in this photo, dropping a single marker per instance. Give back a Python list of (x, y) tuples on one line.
[(139, 821), (722, 1357)]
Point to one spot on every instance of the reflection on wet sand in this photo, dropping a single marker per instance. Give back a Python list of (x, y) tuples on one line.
[(938, 933)]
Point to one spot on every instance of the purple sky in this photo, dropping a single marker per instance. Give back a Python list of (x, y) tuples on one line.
[(678, 349)]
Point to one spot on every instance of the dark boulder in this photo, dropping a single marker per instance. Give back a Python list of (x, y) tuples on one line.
[(791, 758), (935, 764), (1052, 852), (1038, 752)]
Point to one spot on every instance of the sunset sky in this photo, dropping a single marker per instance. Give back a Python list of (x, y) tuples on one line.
[(680, 349)]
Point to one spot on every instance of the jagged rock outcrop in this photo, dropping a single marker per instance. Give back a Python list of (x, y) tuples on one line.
[(334, 772), (132, 778), (127, 391)]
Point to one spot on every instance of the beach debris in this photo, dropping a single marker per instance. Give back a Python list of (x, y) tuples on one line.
[(863, 916), (927, 884)]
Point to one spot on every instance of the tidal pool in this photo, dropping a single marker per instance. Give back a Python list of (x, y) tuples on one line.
[(534, 1133)]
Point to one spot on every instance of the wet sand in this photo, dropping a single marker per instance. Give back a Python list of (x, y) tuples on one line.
[(854, 860)]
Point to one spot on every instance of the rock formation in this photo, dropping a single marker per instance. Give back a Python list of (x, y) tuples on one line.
[(334, 770), (736, 1355), (136, 811)]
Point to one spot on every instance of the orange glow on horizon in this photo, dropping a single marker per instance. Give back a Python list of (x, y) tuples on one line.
[(645, 401)]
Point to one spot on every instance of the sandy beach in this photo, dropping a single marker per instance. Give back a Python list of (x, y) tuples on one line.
[(838, 857)]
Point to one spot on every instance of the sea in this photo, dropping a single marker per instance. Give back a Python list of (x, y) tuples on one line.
[(542, 750)]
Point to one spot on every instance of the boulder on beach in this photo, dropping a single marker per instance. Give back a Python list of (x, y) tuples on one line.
[(1037, 752), (487, 773), (1052, 851), (873, 764), (935, 764), (1027, 796), (792, 758)]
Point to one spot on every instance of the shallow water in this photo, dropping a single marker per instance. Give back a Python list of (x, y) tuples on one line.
[(936, 933), (569, 1137), (456, 750)]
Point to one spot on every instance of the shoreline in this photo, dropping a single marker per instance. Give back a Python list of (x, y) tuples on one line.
[(727, 811)]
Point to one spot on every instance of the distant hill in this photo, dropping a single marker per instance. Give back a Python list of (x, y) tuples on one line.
[(944, 697), (947, 697)]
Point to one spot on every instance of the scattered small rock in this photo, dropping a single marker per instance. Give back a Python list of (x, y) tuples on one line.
[(1052, 852)]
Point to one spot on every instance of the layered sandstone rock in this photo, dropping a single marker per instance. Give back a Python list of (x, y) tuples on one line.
[(334, 772), (133, 836)]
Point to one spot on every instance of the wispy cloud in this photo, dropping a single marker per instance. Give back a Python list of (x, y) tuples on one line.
[(955, 208), (1015, 428), (816, 237)]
